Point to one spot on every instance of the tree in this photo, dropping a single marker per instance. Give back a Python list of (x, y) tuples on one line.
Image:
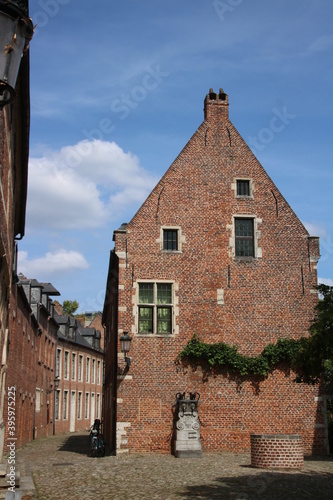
[(69, 307), (314, 359)]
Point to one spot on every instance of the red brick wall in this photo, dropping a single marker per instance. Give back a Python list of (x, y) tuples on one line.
[(30, 366), (268, 297)]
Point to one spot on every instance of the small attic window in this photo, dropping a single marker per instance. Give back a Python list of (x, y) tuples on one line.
[(243, 187)]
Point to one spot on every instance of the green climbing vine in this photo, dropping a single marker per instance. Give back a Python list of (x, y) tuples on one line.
[(225, 355)]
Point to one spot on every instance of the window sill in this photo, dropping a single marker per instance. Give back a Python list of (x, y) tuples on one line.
[(245, 259), (155, 335), (172, 251)]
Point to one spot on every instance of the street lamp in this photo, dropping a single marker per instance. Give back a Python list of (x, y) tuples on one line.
[(16, 30), (125, 345)]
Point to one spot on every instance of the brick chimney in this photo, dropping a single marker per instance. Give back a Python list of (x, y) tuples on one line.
[(216, 106)]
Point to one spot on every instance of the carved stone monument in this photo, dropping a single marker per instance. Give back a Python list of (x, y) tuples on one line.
[(188, 443)]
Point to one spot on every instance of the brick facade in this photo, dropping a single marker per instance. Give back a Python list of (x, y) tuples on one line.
[(14, 150), (44, 348), (80, 368), (242, 270)]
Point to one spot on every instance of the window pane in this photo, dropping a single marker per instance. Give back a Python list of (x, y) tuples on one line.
[(243, 188), (244, 227), (244, 237), (164, 320), (145, 320), (146, 293), (170, 239), (164, 293)]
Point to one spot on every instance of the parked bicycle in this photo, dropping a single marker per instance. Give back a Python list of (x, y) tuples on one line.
[(97, 447)]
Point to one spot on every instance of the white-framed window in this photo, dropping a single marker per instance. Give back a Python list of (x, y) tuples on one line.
[(73, 372), (93, 367), (88, 369), (58, 363), (57, 404), (86, 405), (155, 307), (98, 404), (65, 406), (243, 187), (79, 405), (171, 239), (80, 367), (37, 402), (98, 374), (245, 237), (66, 364)]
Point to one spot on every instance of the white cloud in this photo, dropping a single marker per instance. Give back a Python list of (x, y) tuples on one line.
[(56, 262), (83, 186), (325, 281), (315, 229)]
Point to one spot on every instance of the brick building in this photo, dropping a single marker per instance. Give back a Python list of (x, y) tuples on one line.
[(216, 251), (80, 368), (54, 363), (31, 360), (14, 152)]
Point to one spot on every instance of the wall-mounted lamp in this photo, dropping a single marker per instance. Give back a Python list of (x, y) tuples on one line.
[(55, 385), (125, 345), (16, 30)]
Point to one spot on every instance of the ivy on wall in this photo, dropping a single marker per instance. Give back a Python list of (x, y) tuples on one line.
[(225, 355)]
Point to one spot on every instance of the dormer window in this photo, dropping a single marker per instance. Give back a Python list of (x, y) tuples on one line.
[(243, 187)]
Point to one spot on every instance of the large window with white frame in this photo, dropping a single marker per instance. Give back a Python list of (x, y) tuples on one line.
[(65, 406), (73, 372), (80, 368), (57, 405), (93, 368), (98, 404), (66, 364), (155, 308), (86, 405), (244, 237), (58, 363), (79, 405), (88, 369), (98, 374)]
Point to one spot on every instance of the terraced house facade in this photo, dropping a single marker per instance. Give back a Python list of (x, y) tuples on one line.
[(216, 251)]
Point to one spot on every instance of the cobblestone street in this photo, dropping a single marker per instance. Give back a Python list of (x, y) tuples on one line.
[(61, 469)]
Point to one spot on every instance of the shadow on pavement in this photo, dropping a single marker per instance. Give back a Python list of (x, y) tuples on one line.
[(77, 443), (266, 485)]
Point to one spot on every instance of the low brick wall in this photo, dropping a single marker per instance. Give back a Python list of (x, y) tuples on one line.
[(283, 451)]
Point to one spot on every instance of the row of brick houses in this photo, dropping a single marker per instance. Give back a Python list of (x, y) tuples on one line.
[(216, 251), (54, 365)]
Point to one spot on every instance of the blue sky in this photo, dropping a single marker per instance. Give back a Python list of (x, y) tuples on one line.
[(117, 90)]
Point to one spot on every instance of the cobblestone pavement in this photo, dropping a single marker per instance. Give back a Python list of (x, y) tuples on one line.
[(61, 469)]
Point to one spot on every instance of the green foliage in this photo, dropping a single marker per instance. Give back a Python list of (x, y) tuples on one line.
[(69, 307), (311, 357), (315, 356), (221, 354)]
